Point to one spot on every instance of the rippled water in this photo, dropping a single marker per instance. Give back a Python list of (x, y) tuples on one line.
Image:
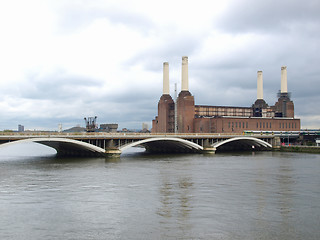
[(263, 195)]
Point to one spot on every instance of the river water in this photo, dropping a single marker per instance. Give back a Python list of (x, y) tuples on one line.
[(262, 195)]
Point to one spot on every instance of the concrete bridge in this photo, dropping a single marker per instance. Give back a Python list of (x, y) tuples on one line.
[(107, 144)]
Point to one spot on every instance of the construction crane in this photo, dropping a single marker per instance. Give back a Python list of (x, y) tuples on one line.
[(91, 124)]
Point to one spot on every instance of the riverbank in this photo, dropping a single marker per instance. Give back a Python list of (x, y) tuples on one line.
[(304, 149)]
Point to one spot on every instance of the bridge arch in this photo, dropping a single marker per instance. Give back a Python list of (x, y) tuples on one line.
[(242, 143), (64, 146), (165, 144), (72, 147)]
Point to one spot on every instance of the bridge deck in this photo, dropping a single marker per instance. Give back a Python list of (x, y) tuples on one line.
[(25, 135)]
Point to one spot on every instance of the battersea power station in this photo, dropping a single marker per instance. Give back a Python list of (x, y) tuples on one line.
[(183, 116)]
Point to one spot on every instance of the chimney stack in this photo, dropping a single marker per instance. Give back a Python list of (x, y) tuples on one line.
[(260, 85), (184, 75), (284, 82), (166, 89)]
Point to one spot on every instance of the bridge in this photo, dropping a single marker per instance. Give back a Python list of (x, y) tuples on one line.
[(113, 144)]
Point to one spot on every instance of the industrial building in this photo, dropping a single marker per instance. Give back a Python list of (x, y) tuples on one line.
[(183, 116)]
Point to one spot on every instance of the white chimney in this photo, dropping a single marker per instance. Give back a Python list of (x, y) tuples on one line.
[(166, 89), (259, 85), (284, 82), (184, 74)]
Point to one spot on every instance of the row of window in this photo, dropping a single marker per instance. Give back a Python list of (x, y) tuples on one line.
[(237, 124), (288, 125), (224, 113), (262, 125)]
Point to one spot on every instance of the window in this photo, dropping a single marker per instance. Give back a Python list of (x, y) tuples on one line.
[(246, 124), (263, 125), (236, 124), (279, 125), (270, 125), (228, 124)]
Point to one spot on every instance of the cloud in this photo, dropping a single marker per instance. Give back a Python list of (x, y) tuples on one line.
[(76, 15), (58, 86), (270, 16), (65, 60)]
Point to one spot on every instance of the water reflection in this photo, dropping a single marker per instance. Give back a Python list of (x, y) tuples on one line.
[(274, 190), (176, 193), (285, 195)]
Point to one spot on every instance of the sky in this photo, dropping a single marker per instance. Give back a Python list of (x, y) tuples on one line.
[(65, 60)]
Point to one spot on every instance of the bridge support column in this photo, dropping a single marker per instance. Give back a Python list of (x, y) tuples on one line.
[(112, 153), (209, 150), (276, 143)]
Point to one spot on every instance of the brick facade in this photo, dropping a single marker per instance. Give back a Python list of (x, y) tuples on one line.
[(239, 125), (185, 112), (164, 122)]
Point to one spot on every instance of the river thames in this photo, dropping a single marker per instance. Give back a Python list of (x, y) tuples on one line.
[(261, 195)]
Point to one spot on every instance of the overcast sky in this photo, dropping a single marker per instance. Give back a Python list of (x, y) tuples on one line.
[(61, 61)]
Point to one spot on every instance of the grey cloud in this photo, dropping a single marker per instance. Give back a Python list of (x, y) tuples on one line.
[(283, 33), (170, 49), (273, 15), (76, 16), (58, 86), (66, 101)]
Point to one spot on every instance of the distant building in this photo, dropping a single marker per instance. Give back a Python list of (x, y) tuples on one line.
[(145, 127), (20, 128), (60, 127), (186, 117), (113, 127)]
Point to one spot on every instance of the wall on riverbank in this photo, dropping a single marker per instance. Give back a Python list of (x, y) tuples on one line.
[(305, 149)]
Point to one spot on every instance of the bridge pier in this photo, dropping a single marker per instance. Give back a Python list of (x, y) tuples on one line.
[(112, 153), (276, 143), (207, 147), (209, 150)]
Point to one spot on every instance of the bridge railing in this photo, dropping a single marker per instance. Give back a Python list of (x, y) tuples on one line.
[(118, 134), (47, 133)]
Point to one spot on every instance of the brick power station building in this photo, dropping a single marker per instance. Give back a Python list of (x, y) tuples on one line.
[(183, 116)]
